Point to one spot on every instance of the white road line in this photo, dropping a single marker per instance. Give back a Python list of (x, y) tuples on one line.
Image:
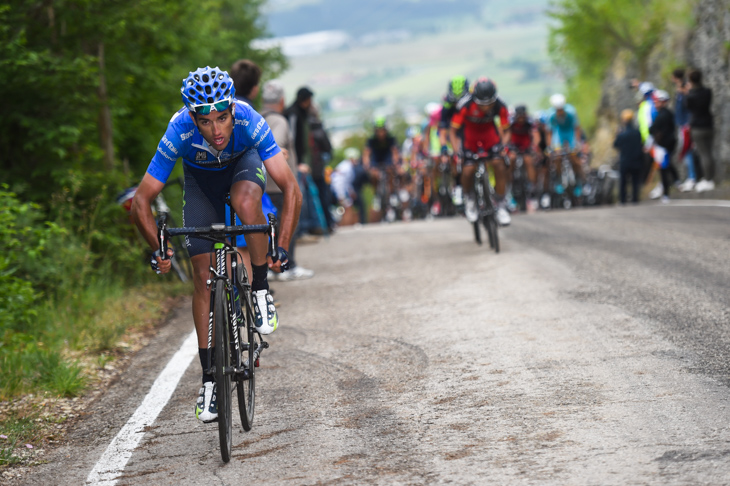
[(112, 462), (708, 203)]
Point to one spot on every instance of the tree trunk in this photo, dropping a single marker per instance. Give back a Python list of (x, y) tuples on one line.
[(105, 116)]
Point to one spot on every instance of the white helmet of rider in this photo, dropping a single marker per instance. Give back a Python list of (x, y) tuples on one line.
[(352, 153), (431, 108), (646, 87), (557, 101)]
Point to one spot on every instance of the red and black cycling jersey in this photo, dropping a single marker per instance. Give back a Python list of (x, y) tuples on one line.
[(480, 127), (522, 134)]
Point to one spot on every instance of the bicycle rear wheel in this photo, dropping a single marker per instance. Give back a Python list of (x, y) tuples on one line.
[(223, 362), (246, 387)]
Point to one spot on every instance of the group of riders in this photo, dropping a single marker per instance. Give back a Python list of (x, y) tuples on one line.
[(527, 155)]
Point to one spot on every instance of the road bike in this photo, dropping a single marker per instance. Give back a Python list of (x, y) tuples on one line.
[(485, 198), (564, 181), (231, 322)]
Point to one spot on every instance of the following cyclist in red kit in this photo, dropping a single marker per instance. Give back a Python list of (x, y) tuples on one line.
[(485, 120), (524, 138)]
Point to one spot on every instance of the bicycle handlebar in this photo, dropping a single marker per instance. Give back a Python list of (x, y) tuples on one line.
[(217, 232)]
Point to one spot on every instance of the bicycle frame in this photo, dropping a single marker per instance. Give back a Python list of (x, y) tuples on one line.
[(219, 234)]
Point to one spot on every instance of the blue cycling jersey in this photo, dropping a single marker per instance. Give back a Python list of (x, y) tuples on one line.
[(563, 128), (183, 140)]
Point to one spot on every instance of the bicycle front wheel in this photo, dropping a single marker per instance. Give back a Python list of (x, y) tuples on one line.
[(246, 386), (492, 229), (223, 363)]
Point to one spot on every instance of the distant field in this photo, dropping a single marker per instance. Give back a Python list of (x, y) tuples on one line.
[(411, 73)]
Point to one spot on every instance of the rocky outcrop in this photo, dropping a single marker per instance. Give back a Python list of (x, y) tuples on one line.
[(704, 45), (709, 51)]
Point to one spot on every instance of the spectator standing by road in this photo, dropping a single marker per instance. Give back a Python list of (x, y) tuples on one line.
[(631, 160), (246, 77), (273, 99), (298, 115), (684, 139), (699, 101), (664, 132), (321, 150)]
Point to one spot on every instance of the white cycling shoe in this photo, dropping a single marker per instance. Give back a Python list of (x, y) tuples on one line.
[(503, 217), (470, 209)]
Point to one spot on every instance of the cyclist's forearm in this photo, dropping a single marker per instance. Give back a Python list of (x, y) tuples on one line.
[(145, 221), (455, 140), (290, 216)]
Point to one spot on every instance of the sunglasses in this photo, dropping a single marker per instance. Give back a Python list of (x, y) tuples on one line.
[(206, 108)]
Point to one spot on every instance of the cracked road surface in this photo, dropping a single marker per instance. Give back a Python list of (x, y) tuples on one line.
[(593, 350)]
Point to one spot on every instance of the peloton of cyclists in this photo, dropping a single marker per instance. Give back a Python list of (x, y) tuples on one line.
[(484, 119)]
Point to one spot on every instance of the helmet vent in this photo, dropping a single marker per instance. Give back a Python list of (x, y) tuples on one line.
[(192, 92), (215, 85), (210, 99), (212, 73), (197, 77), (205, 78), (208, 90)]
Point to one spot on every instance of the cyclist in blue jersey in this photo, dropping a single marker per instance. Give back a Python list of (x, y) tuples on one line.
[(564, 133), (226, 147)]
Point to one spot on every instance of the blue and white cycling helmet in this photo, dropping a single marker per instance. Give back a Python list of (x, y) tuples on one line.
[(207, 89)]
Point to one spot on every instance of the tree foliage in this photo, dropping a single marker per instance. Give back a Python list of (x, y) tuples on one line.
[(59, 57), (588, 34), (88, 87)]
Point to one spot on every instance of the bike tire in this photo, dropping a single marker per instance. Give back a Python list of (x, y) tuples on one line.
[(493, 230), (246, 387), (477, 233), (223, 362)]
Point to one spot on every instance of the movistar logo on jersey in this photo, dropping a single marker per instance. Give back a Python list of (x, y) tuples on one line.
[(260, 175)]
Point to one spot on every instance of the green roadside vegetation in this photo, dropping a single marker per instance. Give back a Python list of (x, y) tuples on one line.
[(586, 36), (88, 89)]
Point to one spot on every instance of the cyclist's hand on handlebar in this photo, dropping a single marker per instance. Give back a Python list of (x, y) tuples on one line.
[(160, 266), (282, 262)]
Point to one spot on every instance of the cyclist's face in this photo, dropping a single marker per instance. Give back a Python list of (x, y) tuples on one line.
[(381, 132), (486, 108), (560, 113), (216, 128)]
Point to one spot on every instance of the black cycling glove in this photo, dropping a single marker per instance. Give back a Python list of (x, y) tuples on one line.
[(155, 262), (283, 258)]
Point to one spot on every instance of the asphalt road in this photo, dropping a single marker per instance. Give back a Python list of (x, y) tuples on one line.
[(593, 350)]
